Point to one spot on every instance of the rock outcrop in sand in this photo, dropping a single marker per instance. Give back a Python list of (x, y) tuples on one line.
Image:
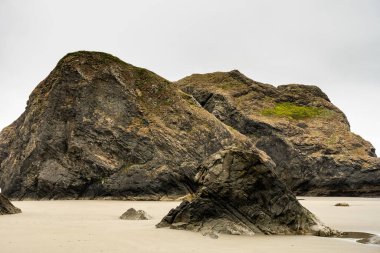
[(6, 206), (240, 193), (307, 137), (99, 127), (132, 214)]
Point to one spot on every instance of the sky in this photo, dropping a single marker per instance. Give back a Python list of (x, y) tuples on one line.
[(332, 44)]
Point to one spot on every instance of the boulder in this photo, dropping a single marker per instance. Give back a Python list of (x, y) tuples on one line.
[(132, 214), (239, 193), (342, 204)]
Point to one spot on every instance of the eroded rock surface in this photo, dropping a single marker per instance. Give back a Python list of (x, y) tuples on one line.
[(98, 127), (6, 207), (307, 137), (240, 194)]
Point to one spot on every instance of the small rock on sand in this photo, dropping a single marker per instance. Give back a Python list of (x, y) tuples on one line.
[(342, 204), (375, 239), (132, 214)]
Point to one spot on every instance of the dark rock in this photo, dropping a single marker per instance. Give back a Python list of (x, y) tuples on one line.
[(362, 237), (132, 214), (97, 127), (240, 194), (316, 154), (373, 240), (6, 206), (342, 204)]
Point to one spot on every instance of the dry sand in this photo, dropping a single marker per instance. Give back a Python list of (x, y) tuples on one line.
[(94, 226)]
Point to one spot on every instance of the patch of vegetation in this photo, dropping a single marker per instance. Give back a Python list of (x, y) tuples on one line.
[(293, 111)]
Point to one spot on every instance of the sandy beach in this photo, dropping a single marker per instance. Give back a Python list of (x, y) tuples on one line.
[(94, 226)]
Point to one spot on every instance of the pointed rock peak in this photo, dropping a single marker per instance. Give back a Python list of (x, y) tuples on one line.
[(91, 57), (237, 75), (89, 64), (84, 68)]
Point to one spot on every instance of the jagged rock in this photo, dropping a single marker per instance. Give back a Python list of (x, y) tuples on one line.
[(240, 194), (307, 137), (98, 127), (132, 214), (6, 206)]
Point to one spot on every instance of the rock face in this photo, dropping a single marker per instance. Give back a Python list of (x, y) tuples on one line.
[(240, 194), (132, 214), (99, 127), (6, 206), (307, 137)]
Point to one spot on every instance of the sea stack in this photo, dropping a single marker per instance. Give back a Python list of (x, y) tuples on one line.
[(98, 127)]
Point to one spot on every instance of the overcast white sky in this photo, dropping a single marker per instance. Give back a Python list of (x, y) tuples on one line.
[(332, 44)]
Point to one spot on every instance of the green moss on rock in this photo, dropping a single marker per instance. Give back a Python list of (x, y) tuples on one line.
[(293, 111)]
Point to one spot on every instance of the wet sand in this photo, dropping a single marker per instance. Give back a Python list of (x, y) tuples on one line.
[(94, 226)]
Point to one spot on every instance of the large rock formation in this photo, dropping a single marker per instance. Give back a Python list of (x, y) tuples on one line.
[(99, 127), (6, 206), (298, 127), (240, 194)]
